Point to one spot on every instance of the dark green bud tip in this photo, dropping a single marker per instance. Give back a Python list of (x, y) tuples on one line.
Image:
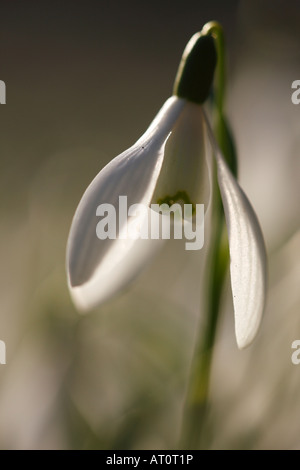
[(196, 69)]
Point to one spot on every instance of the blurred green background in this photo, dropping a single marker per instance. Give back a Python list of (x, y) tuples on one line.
[(84, 80)]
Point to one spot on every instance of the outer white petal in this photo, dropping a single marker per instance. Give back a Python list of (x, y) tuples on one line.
[(248, 261), (97, 269), (120, 264)]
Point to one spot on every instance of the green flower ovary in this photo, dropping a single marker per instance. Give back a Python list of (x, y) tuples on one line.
[(179, 196)]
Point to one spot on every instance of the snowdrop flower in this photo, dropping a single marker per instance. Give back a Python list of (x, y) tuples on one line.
[(170, 162)]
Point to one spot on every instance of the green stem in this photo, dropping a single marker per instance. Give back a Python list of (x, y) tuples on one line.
[(214, 29), (222, 129), (197, 399)]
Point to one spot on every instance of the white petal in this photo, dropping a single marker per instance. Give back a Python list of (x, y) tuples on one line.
[(187, 159), (97, 269), (121, 263), (248, 263)]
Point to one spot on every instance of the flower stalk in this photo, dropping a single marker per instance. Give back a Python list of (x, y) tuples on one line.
[(197, 397)]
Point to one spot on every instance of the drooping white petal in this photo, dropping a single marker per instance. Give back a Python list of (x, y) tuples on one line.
[(120, 264), (97, 269), (248, 263)]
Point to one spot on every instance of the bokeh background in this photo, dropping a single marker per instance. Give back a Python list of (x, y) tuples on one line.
[(84, 80)]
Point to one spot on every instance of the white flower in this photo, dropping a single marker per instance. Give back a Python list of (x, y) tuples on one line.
[(170, 161)]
